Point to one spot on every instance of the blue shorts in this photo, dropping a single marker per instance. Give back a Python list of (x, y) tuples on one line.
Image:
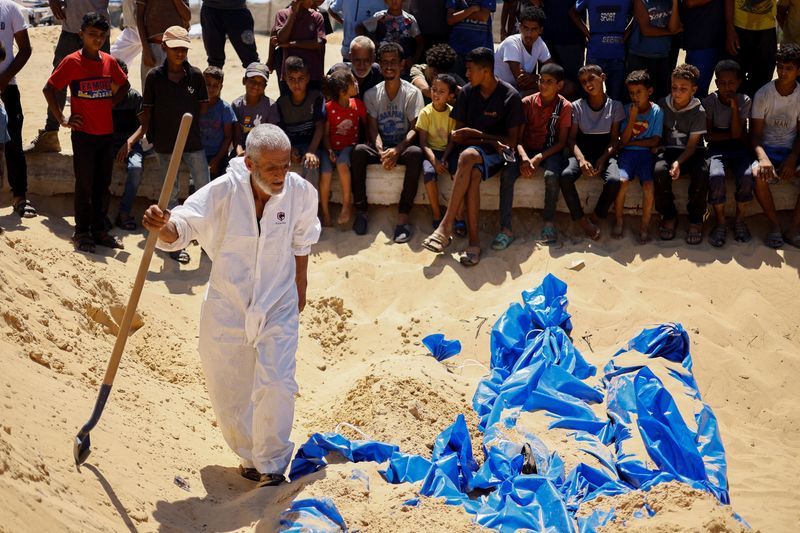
[(429, 172), (635, 163), (342, 157), (492, 162)]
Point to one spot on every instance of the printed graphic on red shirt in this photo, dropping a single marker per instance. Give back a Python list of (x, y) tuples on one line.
[(92, 88)]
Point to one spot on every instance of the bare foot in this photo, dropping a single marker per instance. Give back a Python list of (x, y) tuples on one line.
[(618, 230), (644, 236), (591, 231), (345, 215)]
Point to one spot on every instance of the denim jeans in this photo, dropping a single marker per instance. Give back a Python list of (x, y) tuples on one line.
[(738, 162), (133, 180), (615, 76), (552, 167), (198, 171)]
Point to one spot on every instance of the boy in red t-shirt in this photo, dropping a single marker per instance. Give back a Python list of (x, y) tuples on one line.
[(96, 82), (345, 113)]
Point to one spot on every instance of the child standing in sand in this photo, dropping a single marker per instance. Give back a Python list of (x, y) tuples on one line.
[(641, 132), (345, 115), (96, 83)]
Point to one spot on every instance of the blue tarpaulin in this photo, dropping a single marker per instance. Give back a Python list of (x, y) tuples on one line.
[(313, 515), (536, 367)]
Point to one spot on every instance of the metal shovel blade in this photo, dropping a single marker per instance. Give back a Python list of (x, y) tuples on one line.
[(81, 447)]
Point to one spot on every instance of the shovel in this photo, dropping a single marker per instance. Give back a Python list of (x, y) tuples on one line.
[(82, 444)]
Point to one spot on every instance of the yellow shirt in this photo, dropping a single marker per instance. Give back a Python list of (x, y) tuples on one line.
[(754, 14), (437, 124)]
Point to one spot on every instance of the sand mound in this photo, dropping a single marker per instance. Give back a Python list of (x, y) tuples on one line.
[(327, 321), (400, 408), (369, 504), (677, 507)]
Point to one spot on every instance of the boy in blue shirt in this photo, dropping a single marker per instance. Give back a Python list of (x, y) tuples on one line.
[(216, 124), (727, 112), (471, 22), (605, 36), (641, 131), (654, 24)]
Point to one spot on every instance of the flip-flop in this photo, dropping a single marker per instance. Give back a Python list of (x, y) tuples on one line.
[(249, 473), (402, 233), (741, 233), (181, 256), (436, 242), (666, 233), (774, 240), (502, 241), (694, 234), (717, 236), (470, 257), (270, 480), (549, 235), (24, 209)]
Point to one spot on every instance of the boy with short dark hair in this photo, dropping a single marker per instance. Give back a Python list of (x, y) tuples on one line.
[(542, 139), (519, 56), (682, 139), (170, 90), (96, 83), (302, 114), (641, 132), (488, 113), (434, 125), (392, 25), (216, 124), (774, 121), (593, 140), (727, 111), (253, 107)]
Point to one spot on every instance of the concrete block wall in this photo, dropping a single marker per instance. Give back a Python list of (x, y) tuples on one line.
[(50, 174)]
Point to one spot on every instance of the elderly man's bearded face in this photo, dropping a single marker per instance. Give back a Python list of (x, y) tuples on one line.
[(268, 170), (362, 60)]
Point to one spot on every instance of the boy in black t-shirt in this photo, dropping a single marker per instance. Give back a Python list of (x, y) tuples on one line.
[(302, 118), (488, 112)]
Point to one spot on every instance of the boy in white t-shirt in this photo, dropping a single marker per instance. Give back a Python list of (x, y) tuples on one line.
[(774, 122), (518, 56)]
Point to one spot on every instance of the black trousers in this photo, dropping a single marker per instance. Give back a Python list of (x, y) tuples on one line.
[(756, 56), (68, 42), (697, 168), (92, 162), (363, 155), (15, 157), (237, 25)]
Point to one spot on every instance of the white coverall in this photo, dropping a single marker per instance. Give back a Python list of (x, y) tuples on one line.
[(127, 46), (249, 317)]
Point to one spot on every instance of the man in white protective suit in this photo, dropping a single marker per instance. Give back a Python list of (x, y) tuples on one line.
[(257, 224)]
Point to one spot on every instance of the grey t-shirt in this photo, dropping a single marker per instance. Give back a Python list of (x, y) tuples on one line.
[(720, 117), (74, 10), (248, 117), (394, 116), (593, 122), (679, 125)]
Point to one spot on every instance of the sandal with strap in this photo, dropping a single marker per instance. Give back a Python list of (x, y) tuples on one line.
[(436, 242), (502, 241), (470, 257), (717, 236), (249, 473), (403, 233), (24, 209), (126, 222), (774, 240), (181, 256), (549, 235), (108, 240), (270, 480), (666, 231), (694, 235), (741, 233), (84, 242)]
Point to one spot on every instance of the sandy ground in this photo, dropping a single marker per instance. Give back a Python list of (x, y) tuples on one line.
[(360, 361)]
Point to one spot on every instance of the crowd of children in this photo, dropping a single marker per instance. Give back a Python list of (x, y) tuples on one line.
[(629, 112)]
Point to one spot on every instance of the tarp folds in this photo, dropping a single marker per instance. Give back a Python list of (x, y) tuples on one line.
[(312, 515), (440, 347)]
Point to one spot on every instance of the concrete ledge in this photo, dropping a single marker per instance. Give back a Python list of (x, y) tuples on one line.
[(50, 174)]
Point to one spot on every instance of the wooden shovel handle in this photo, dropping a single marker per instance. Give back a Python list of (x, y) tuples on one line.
[(149, 247)]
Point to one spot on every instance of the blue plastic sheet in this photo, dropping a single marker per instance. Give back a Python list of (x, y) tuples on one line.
[(440, 347), (536, 367), (311, 455), (312, 516)]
